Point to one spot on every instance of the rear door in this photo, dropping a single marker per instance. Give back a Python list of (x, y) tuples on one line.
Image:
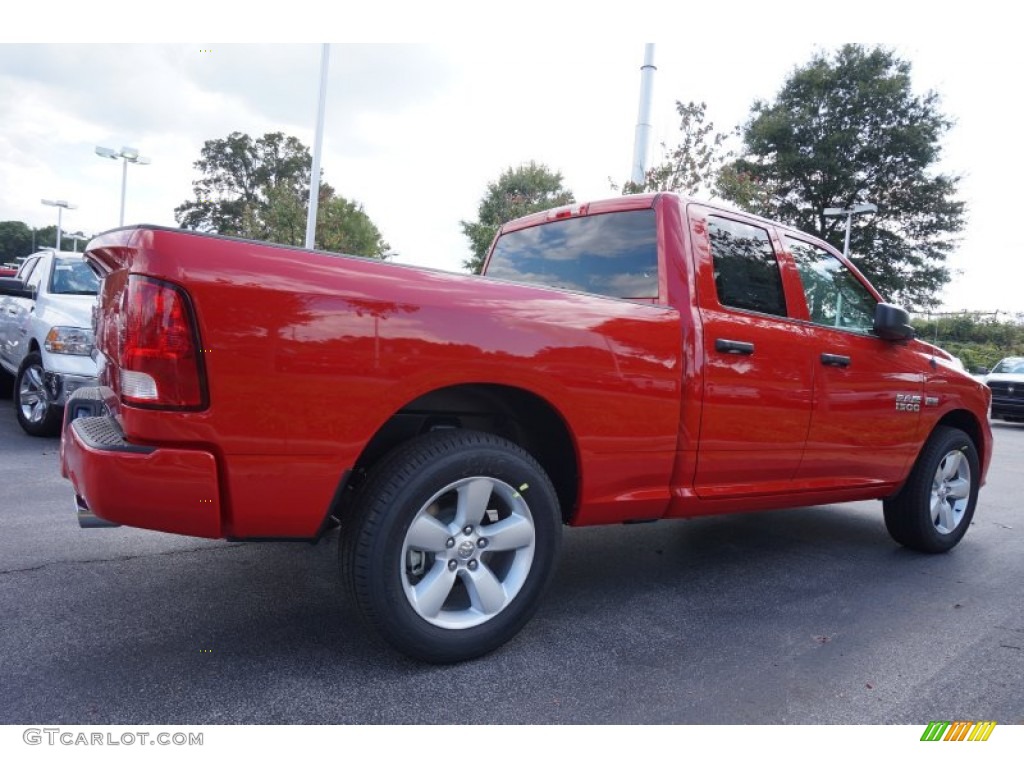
[(757, 368)]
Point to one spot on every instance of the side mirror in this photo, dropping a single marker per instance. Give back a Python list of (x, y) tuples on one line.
[(892, 323), (11, 286), (980, 370)]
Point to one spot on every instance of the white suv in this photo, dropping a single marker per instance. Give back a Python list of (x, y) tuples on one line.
[(46, 337)]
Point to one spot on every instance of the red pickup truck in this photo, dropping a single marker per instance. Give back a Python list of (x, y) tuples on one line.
[(626, 360)]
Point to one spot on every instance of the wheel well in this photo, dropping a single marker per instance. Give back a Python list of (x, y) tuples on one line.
[(965, 420), (514, 414)]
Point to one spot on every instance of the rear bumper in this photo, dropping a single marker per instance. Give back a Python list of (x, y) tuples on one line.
[(163, 489)]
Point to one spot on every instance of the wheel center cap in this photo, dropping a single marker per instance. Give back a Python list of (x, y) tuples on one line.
[(466, 549)]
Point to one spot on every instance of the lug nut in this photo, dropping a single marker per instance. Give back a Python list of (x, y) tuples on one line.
[(452, 565), (468, 530), (481, 543), (472, 565), (450, 543)]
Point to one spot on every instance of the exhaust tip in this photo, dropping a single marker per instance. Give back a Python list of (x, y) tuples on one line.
[(86, 519)]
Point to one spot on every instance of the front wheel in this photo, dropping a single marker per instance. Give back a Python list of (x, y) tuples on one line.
[(454, 538), (37, 412), (935, 507)]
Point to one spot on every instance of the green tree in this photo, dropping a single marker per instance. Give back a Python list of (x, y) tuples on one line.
[(692, 167), (259, 189), (978, 340), (46, 237), (518, 191), (280, 217), (847, 129), (15, 240), (344, 227), (238, 175)]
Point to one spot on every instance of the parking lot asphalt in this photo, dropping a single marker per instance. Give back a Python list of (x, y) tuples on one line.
[(794, 616)]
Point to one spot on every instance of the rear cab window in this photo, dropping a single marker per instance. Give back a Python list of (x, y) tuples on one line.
[(610, 254)]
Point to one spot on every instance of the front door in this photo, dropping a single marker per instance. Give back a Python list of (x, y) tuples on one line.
[(867, 391)]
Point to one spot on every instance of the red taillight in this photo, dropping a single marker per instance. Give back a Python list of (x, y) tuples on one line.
[(159, 356)]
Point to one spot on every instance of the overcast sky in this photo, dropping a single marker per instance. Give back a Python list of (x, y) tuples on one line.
[(415, 132)]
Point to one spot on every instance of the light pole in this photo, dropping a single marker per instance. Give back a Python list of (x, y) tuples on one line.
[(314, 172), (642, 137), (849, 213), (130, 156), (60, 205)]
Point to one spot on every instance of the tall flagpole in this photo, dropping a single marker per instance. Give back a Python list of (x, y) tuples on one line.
[(642, 140), (314, 174)]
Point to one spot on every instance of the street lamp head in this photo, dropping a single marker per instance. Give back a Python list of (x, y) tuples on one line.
[(862, 208), (129, 155), (59, 204)]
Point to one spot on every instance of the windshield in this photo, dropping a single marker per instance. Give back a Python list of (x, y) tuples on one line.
[(1010, 365), (73, 276)]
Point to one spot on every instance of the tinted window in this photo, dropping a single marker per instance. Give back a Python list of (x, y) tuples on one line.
[(746, 271), (613, 254), (36, 274), (73, 276), (26, 269), (835, 297)]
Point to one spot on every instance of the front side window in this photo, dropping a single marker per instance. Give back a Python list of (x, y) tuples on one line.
[(36, 275), (835, 297), (747, 273), (611, 254), (26, 269)]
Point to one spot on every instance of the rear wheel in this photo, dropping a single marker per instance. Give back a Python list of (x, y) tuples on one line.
[(453, 540), (935, 507), (37, 412)]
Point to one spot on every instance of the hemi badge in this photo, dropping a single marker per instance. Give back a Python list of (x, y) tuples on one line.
[(931, 401)]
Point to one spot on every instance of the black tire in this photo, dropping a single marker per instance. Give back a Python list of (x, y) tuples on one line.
[(945, 476), (33, 403), (388, 563), (6, 384)]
